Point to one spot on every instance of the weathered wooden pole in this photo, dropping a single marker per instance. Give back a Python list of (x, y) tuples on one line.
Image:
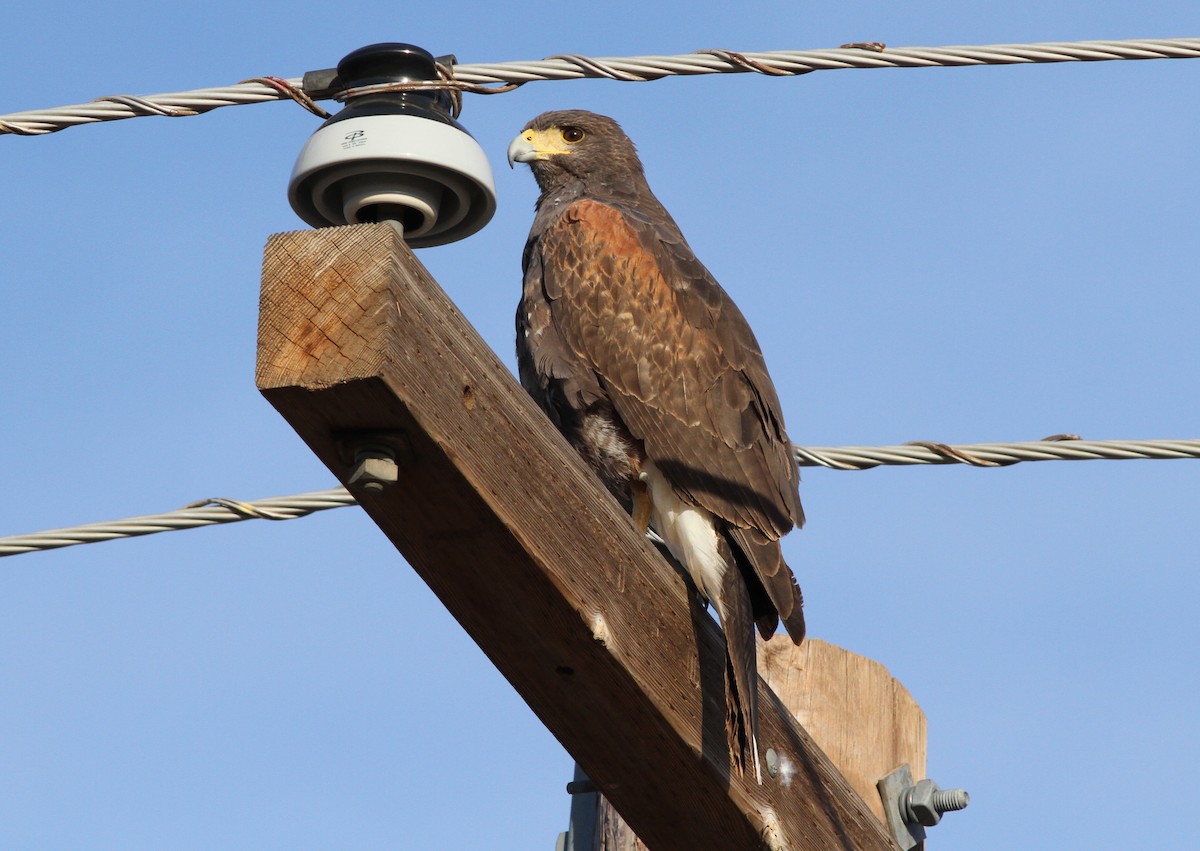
[(864, 720), (367, 359)]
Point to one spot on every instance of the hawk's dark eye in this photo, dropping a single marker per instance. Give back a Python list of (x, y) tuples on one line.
[(572, 135)]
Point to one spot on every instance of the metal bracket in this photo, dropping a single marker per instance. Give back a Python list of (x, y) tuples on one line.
[(580, 835), (891, 790), (911, 807)]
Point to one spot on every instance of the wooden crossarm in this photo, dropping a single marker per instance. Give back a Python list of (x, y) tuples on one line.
[(585, 619)]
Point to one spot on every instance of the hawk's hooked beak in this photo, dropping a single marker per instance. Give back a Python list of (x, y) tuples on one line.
[(533, 145), (521, 149)]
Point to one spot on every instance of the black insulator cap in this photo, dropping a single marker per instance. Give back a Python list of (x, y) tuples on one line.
[(388, 62), (392, 62)]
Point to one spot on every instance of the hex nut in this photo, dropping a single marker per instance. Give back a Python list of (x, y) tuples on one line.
[(374, 472), (924, 803), (920, 803)]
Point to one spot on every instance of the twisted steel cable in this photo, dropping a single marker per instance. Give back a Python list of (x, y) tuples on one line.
[(221, 510), (497, 77), (1056, 448), (204, 513)]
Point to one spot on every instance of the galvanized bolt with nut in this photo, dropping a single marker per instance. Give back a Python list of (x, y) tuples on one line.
[(374, 457), (911, 807), (374, 469), (924, 802)]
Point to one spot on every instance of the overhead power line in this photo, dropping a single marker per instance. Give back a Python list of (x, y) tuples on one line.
[(1063, 447), (221, 510), (204, 513), (503, 76)]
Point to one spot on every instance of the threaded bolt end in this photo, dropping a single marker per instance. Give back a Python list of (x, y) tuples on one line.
[(924, 802), (948, 800)]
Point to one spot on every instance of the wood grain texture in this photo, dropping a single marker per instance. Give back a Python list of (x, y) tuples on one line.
[(864, 720), (595, 630), (613, 833)]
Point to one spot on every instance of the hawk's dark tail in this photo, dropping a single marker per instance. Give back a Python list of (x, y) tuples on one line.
[(767, 574), (737, 621)]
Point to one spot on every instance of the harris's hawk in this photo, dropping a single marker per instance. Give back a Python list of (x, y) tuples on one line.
[(652, 373)]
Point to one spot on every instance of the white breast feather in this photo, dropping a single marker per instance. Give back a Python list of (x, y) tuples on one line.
[(689, 531)]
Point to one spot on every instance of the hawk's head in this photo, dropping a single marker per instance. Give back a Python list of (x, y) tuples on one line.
[(575, 146)]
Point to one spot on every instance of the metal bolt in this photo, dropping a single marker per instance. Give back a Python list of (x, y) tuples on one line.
[(374, 469), (911, 807), (772, 762), (924, 802)]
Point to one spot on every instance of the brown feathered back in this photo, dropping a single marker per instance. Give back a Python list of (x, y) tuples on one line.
[(618, 312)]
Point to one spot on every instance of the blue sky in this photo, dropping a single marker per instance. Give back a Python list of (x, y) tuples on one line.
[(958, 255)]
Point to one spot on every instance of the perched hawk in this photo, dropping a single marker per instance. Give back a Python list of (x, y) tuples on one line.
[(652, 373)]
